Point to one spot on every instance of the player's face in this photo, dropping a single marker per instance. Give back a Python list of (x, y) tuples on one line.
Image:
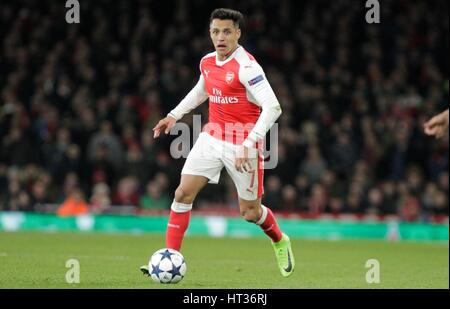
[(225, 36)]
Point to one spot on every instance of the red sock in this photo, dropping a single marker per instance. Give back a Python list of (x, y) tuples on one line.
[(269, 224), (178, 223)]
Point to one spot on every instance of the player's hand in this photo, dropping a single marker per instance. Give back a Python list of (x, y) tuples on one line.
[(437, 126), (165, 124), (242, 161)]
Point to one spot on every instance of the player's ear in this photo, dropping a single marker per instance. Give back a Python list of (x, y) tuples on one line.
[(238, 31), (210, 33)]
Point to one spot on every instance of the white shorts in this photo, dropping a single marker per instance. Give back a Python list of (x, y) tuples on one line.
[(208, 157)]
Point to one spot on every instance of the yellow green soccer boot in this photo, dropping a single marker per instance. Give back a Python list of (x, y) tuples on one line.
[(284, 255)]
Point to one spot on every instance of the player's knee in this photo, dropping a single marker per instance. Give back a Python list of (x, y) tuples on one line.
[(250, 214), (184, 196)]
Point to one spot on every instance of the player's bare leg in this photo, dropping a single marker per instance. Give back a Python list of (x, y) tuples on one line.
[(253, 211), (190, 186), (180, 212)]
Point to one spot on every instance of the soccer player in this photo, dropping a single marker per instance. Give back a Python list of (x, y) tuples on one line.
[(438, 125), (242, 108)]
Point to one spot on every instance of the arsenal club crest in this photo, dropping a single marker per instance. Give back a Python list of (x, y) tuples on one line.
[(229, 77)]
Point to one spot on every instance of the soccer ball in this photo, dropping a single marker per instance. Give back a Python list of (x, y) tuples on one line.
[(167, 266)]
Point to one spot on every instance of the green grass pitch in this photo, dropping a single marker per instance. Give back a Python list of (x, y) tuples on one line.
[(37, 260)]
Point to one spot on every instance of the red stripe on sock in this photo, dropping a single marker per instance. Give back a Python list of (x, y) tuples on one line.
[(177, 226), (260, 176)]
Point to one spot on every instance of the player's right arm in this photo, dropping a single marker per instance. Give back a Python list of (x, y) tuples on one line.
[(194, 98)]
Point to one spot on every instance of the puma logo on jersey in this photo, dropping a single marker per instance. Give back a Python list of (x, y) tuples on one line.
[(206, 72)]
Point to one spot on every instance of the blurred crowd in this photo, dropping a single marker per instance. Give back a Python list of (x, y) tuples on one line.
[(78, 102)]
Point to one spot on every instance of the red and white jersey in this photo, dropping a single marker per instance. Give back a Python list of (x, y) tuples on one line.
[(231, 107), (238, 90)]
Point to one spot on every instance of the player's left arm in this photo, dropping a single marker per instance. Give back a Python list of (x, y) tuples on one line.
[(254, 80)]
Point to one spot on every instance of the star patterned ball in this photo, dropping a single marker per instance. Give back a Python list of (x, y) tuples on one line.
[(167, 266)]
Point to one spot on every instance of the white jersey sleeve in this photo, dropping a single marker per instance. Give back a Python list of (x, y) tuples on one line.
[(252, 76), (194, 98)]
